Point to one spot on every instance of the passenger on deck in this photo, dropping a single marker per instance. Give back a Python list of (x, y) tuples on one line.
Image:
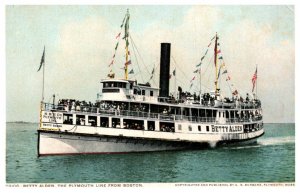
[(66, 106), (81, 121), (247, 98), (118, 110), (73, 106)]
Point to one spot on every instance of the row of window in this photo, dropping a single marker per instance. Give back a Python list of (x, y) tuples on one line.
[(142, 92), (114, 84), (190, 128)]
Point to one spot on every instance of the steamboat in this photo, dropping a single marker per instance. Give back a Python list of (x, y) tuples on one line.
[(132, 117)]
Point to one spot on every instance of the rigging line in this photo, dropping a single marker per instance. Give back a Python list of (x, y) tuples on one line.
[(227, 73), (153, 75), (135, 47), (292, 10), (229, 86), (182, 83), (208, 77), (179, 68), (137, 65), (139, 54), (225, 68)]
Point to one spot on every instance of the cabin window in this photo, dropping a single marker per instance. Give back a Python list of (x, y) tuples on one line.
[(116, 123), (190, 128), (166, 127), (151, 125), (80, 120), (133, 124), (92, 121), (143, 92), (199, 127), (227, 114), (68, 119), (207, 128), (151, 92), (136, 91), (104, 121), (214, 113), (179, 127), (219, 114)]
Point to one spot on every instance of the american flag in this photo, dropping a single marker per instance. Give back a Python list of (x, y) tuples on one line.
[(254, 79)]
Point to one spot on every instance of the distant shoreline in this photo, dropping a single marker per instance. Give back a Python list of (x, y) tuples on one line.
[(22, 122), (27, 122)]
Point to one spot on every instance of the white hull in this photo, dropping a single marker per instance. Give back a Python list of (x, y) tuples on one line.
[(54, 143), (66, 144)]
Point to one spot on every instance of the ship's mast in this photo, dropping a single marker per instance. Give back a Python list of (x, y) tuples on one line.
[(126, 40), (216, 62)]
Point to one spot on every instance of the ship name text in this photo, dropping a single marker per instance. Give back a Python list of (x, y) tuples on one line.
[(227, 128)]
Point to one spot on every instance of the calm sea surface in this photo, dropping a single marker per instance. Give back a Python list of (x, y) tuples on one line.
[(271, 160)]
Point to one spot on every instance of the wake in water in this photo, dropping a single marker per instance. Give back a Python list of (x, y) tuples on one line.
[(267, 142), (276, 140)]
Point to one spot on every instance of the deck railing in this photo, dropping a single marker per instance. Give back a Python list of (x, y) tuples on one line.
[(145, 115)]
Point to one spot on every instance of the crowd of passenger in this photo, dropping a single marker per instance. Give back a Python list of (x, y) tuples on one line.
[(167, 128), (75, 105), (133, 125)]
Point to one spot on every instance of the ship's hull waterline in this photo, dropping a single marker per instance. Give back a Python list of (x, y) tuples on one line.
[(52, 143)]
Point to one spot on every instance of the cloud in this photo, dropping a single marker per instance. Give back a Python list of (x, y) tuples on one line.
[(85, 49)]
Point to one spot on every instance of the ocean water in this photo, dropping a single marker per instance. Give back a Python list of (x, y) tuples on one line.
[(271, 160)]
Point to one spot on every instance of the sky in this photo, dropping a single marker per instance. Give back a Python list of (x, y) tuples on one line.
[(80, 42)]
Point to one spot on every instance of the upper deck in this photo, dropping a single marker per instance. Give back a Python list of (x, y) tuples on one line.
[(129, 91)]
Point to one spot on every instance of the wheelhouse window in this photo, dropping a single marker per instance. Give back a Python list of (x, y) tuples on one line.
[(110, 90), (114, 85), (151, 92), (143, 92)]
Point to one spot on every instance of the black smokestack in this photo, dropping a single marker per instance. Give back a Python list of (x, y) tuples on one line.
[(165, 51)]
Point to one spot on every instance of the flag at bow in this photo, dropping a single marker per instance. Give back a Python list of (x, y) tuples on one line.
[(42, 60), (254, 78)]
